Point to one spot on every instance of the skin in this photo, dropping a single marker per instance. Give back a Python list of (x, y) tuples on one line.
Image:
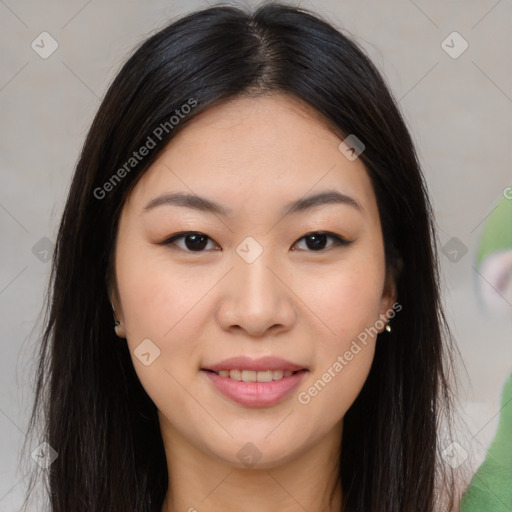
[(303, 304)]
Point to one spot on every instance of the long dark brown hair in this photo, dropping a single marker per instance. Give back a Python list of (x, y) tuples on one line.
[(89, 404)]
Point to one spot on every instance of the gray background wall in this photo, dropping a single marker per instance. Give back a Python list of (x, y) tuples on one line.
[(458, 109)]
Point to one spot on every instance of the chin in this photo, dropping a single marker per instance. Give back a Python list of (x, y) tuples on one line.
[(256, 453)]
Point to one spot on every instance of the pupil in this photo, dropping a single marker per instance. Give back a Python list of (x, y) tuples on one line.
[(318, 241), (195, 245)]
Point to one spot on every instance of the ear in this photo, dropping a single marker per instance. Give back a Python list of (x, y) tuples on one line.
[(390, 292), (117, 311)]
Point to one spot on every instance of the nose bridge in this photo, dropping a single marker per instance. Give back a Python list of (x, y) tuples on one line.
[(257, 287), (258, 297)]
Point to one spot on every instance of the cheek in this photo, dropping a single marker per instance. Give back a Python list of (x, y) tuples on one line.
[(167, 304), (347, 299), (348, 304), (343, 360), (155, 295), (159, 303), (335, 384)]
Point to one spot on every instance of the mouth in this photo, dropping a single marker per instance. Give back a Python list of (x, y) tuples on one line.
[(243, 375), (255, 382), (263, 382)]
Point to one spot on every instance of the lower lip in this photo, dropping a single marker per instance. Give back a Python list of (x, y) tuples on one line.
[(256, 394)]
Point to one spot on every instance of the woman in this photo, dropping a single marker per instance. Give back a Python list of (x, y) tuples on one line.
[(249, 210)]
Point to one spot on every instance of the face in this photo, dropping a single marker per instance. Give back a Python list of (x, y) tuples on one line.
[(252, 289)]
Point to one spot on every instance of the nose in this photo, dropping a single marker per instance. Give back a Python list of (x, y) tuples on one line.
[(257, 299)]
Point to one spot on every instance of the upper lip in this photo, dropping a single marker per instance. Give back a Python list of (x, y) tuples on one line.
[(260, 364)]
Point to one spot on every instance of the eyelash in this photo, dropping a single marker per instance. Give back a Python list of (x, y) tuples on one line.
[(338, 241)]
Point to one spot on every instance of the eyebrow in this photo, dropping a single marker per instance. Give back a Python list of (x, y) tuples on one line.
[(207, 205)]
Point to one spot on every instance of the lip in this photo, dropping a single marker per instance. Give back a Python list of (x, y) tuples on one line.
[(255, 394), (260, 364)]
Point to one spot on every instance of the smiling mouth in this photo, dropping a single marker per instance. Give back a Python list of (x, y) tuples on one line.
[(255, 376)]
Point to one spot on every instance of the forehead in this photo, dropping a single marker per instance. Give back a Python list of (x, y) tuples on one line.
[(264, 126), (270, 149)]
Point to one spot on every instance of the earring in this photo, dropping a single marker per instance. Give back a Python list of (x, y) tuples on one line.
[(388, 327), (116, 322), (118, 330)]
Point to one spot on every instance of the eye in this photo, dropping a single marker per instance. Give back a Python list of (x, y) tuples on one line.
[(316, 240), (196, 241)]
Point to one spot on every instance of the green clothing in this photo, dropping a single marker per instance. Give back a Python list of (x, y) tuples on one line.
[(490, 489)]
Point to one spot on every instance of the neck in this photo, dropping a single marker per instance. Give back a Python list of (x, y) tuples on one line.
[(201, 482)]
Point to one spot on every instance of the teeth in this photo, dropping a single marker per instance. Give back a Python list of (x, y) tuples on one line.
[(277, 374), (234, 374), (265, 376), (254, 376), (249, 375)]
